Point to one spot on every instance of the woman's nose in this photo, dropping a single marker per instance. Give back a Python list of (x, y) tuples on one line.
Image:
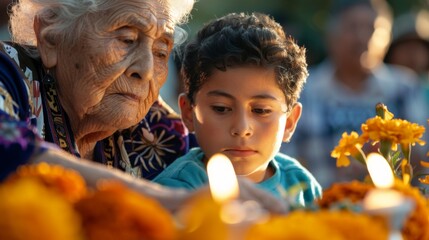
[(141, 67)]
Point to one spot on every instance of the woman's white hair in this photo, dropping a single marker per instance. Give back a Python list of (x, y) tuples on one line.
[(63, 15)]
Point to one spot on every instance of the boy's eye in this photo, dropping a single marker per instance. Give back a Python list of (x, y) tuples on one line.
[(262, 111), (221, 109)]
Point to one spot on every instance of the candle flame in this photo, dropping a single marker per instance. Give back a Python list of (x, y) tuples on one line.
[(379, 170), (222, 179)]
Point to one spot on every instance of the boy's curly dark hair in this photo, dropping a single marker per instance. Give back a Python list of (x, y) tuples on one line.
[(239, 39)]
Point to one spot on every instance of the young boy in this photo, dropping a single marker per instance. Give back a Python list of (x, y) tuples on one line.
[(243, 77)]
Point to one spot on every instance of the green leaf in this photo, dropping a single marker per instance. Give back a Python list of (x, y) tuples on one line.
[(395, 158)]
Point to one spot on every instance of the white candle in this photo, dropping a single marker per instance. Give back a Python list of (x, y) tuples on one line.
[(236, 214), (222, 179), (383, 200), (380, 171)]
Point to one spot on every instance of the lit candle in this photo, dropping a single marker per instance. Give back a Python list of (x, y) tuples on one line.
[(383, 200), (222, 179), (219, 216), (236, 214)]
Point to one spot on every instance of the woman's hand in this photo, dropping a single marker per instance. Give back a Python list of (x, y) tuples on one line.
[(175, 199), (171, 199), (248, 191)]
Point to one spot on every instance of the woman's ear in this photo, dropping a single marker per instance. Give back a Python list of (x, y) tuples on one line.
[(186, 111), (292, 121), (45, 44)]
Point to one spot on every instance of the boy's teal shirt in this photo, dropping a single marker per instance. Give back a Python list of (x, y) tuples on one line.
[(190, 172)]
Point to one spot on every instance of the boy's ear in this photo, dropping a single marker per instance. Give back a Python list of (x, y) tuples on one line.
[(45, 44), (186, 111), (292, 121)]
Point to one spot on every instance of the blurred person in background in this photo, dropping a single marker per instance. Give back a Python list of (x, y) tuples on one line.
[(410, 45), (410, 49), (343, 90)]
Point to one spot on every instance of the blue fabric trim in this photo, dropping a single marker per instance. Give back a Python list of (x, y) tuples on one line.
[(14, 84), (14, 153)]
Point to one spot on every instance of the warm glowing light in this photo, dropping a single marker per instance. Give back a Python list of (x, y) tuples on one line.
[(383, 199), (422, 22), (222, 179), (379, 170)]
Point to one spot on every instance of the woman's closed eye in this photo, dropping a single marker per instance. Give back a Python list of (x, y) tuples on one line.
[(127, 35), (127, 40), (161, 54)]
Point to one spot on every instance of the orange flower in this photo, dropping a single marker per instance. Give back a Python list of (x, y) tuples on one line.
[(29, 210), (116, 212), (417, 225), (424, 180), (319, 225), (348, 145), (353, 191), (66, 182), (396, 131)]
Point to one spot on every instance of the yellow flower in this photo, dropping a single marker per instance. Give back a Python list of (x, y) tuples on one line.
[(295, 225), (116, 212), (319, 225), (417, 224), (396, 131), (424, 180), (348, 145), (29, 210), (353, 191), (68, 183), (201, 216), (424, 164)]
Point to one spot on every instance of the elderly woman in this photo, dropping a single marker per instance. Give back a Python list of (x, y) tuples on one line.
[(91, 71)]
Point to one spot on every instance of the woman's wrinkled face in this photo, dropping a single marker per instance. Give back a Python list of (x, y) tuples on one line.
[(113, 73)]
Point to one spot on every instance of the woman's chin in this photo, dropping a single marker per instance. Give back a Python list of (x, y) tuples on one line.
[(122, 119)]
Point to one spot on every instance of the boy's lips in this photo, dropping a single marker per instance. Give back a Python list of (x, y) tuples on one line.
[(239, 152)]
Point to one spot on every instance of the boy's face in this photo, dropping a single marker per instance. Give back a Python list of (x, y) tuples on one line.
[(242, 114)]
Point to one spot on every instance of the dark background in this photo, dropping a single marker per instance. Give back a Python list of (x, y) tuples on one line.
[(303, 19)]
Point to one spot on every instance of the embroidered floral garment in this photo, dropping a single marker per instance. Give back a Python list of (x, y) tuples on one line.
[(26, 124)]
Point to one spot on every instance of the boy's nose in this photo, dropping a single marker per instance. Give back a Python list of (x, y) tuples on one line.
[(241, 127)]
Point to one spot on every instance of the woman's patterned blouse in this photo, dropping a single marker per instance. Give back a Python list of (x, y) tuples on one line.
[(143, 150)]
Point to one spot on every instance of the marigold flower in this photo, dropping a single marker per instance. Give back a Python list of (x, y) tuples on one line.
[(396, 131), (319, 225), (353, 191), (29, 210), (68, 183), (424, 180), (416, 226), (115, 212), (348, 145), (424, 164)]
